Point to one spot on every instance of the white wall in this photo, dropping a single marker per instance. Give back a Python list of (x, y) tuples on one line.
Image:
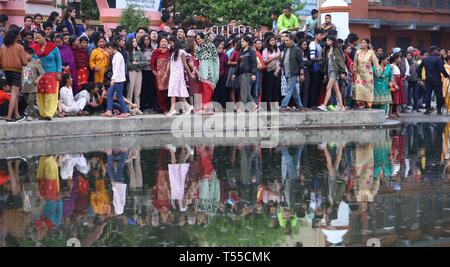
[(341, 20), (44, 10)]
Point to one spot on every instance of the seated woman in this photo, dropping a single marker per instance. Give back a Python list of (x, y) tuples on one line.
[(97, 96), (68, 103)]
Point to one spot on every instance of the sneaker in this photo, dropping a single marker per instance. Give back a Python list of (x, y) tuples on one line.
[(29, 118), (299, 109), (331, 108), (139, 112), (323, 108), (21, 118), (171, 148), (10, 120), (189, 110)]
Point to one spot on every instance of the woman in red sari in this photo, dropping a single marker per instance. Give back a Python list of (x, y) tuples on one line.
[(159, 61)]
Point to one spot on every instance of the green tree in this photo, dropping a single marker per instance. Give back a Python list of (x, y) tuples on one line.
[(134, 17), (90, 8), (249, 12)]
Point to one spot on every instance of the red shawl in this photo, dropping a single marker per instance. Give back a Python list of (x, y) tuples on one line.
[(81, 57), (158, 53), (47, 49)]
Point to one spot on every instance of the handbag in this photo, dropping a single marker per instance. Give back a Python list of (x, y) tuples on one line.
[(392, 86)]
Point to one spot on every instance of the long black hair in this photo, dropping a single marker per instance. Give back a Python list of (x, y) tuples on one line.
[(271, 49), (53, 16), (176, 49), (68, 17), (394, 58), (142, 43), (332, 38), (248, 40), (64, 78), (129, 46), (10, 37)]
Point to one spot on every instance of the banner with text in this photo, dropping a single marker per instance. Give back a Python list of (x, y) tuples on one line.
[(146, 5)]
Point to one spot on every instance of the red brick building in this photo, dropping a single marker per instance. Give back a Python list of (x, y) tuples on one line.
[(391, 23)]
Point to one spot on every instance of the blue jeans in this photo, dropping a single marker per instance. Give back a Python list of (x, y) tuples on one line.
[(116, 89), (255, 87), (414, 94), (117, 175), (292, 90)]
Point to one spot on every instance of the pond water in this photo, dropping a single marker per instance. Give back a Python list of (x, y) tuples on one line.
[(393, 191)]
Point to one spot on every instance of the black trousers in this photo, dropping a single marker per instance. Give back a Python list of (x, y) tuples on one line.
[(314, 88), (220, 93), (435, 86), (304, 89), (271, 88), (148, 92)]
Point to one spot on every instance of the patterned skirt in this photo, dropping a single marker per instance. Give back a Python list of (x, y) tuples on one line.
[(48, 83), (83, 76)]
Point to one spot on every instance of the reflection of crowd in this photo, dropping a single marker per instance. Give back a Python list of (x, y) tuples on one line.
[(315, 185)]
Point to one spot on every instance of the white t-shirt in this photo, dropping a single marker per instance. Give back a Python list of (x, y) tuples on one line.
[(316, 50)]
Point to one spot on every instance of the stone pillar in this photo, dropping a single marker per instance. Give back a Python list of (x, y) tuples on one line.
[(340, 14), (15, 11)]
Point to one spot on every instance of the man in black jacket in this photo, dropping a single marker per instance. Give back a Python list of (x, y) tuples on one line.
[(434, 66), (293, 66)]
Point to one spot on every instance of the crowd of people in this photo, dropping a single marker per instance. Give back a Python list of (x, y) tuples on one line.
[(188, 186), (59, 68)]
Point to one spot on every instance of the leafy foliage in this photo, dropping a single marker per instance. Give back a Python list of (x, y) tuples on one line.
[(253, 231), (248, 12), (89, 8), (133, 17)]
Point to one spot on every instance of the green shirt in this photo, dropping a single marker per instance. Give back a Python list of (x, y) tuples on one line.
[(285, 23)]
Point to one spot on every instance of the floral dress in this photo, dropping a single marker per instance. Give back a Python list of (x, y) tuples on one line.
[(364, 82), (177, 82)]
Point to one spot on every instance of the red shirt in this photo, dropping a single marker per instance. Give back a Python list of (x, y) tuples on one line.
[(4, 97)]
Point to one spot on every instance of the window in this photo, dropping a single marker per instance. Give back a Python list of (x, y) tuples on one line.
[(403, 42), (379, 41)]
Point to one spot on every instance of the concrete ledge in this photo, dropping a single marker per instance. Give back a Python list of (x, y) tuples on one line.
[(95, 126), (147, 141)]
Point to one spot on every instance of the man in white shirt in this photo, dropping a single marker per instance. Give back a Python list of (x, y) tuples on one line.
[(316, 74), (117, 82)]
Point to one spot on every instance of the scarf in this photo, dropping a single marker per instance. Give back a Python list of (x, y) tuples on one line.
[(81, 57), (206, 51), (47, 49)]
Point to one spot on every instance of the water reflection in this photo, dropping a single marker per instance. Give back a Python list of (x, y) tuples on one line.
[(329, 194)]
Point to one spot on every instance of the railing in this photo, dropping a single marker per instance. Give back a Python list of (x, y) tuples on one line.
[(436, 4), (228, 30)]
